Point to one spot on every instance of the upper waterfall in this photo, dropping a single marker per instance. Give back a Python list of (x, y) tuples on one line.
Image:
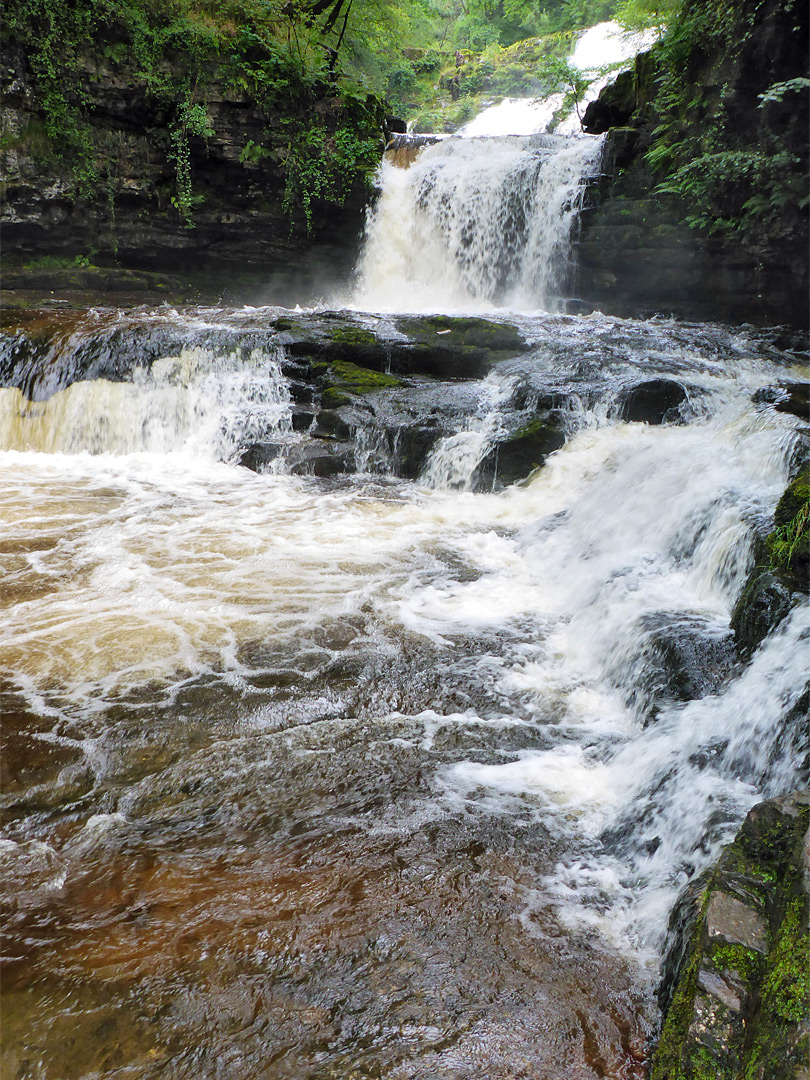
[(475, 223)]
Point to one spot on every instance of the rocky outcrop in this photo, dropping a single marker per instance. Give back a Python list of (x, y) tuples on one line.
[(725, 93), (737, 996), (230, 221), (367, 393), (781, 574)]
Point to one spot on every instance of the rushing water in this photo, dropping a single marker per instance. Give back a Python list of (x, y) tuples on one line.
[(370, 776), (476, 222)]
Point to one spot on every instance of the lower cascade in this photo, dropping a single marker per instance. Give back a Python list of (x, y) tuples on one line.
[(374, 681)]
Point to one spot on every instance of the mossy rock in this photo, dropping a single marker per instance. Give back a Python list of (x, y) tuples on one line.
[(441, 346), (467, 332), (788, 546), (346, 376), (454, 347), (288, 326), (795, 497), (332, 398), (353, 335), (516, 457), (741, 1001), (331, 425)]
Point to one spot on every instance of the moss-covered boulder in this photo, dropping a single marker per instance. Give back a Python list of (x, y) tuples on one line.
[(344, 379), (442, 346), (454, 347), (740, 1001), (515, 457)]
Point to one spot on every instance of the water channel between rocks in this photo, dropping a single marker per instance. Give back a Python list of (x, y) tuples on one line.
[(373, 762)]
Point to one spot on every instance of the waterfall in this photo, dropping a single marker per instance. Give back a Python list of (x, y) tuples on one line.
[(200, 402), (475, 223)]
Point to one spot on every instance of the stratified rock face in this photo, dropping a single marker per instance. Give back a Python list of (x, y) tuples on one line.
[(237, 220), (637, 253), (740, 1005)]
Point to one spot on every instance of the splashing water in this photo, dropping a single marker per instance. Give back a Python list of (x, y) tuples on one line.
[(198, 402), (474, 223)]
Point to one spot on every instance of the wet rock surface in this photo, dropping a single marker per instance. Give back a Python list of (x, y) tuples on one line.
[(334, 774), (740, 1004), (316, 921), (653, 402), (781, 575), (680, 660)]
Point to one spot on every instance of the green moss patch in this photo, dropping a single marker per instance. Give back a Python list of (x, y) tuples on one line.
[(343, 377), (353, 335), (452, 331)]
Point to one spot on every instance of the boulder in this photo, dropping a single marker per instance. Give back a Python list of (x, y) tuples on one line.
[(763, 603), (515, 457), (736, 995), (654, 402), (787, 397)]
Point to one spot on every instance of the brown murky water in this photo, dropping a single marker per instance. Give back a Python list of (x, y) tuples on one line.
[(285, 904)]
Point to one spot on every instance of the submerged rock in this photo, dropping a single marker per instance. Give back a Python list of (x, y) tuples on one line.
[(653, 402), (680, 659), (738, 1003), (514, 458)]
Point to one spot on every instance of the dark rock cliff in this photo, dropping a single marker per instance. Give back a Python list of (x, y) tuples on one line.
[(703, 209), (237, 221)]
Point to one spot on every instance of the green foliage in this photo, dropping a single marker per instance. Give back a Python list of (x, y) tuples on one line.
[(733, 189), (253, 153), (729, 176), (789, 539), (646, 14), (52, 32), (192, 120), (778, 90), (315, 64), (270, 50), (323, 166)]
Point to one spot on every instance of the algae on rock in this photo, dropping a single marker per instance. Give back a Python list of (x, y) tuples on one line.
[(741, 1001)]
